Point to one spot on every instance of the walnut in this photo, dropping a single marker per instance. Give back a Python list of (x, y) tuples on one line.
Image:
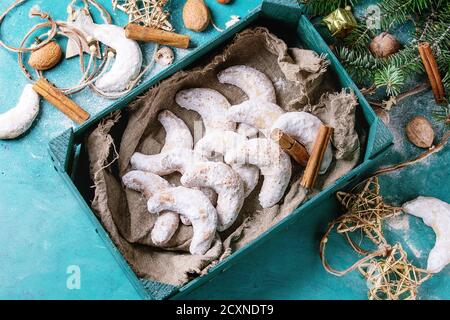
[(420, 132), (384, 45)]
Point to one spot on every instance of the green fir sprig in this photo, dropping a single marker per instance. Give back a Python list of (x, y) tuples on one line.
[(397, 12), (442, 114), (324, 7), (391, 78), (432, 21)]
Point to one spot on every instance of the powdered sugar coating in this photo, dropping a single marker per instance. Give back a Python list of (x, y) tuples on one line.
[(255, 84), (436, 214), (196, 207), (249, 175), (175, 160), (144, 182), (166, 223), (165, 227), (128, 58), (304, 127), (225, 182), (247, 130), (258, 113), (219, 143), (178, 134), (19, 119), (274, 163), (210, 104)]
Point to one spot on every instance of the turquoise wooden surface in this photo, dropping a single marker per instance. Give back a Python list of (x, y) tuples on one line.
[(43, 229), (63, 148), (289, 267)]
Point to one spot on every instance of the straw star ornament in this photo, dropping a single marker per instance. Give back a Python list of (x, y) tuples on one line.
[(366, 210), (388, 272), (149, 13), (394, 277)]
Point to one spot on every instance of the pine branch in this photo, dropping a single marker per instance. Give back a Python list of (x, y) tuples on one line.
[(359, 37), (431, 18), (325, 7), (396, 12), (446, 81), (407, 60), (360, 63), (442, 113), (390, 77)]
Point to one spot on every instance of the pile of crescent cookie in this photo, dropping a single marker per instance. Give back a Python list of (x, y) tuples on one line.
[(213, 190)]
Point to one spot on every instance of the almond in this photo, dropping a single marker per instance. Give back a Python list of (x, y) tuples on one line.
[(196, 15), (420, 132), (46, 57)]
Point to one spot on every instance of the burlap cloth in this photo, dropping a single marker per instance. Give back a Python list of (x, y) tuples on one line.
[(296, 74)]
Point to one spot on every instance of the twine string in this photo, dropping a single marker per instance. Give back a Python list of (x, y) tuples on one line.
[(89, 74), (386, 269), (42, 15)]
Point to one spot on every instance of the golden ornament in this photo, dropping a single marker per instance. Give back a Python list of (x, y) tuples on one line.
[(341, 21)]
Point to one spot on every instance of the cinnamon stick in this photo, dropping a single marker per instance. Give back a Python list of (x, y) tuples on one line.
[(60, 101), (147, 34), (316, 157), (432, 70), (291, 146)]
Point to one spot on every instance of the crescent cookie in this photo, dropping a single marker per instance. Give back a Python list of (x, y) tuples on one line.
[(304, 127), (274, 163), (219, 143), (194, 205), (176, 160), (165, 227), (210, 104), (178, 134), (436, 214), (144, 182), (19, 119), (225, 182), (255, 84), (257, 113), (128, 58)]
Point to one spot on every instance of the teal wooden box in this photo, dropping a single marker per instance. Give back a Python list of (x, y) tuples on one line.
[(65, 149)]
